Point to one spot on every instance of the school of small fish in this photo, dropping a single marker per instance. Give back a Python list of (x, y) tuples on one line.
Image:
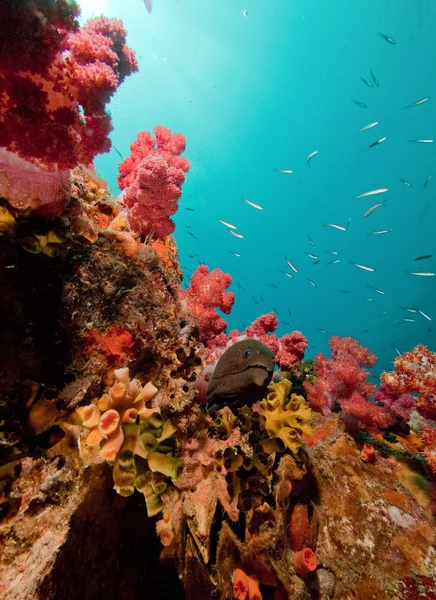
[(317, 255)]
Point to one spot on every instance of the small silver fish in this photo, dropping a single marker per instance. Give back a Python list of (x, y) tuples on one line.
[(335, 226), (312, 282), (406, 183), (361, 104), (361, 266), (311, 241), (424, 315), (322, 330), (375, 290), (229, 225), (412, 310), (293, 267), (235, 254), (240, 287), (332, 252), (372, 209), (370, 126), (397, 351), (385, 312), (238, 235), (252, 204), (387, 38), (334, 262), (421, 141), (375, 80), (427, 181), (311, 155), (366, 82), (287, 274), (380, 141), (345, 292), (373, 192), (287, 171), (348, 222), (417, 103), (287, 324), (312, 255), (406, 320), (423, 257), (316, 262), (421, 273), (381, 232)]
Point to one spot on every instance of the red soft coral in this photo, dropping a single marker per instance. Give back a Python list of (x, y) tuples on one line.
[(289, 349), (205, 294), (55, 80), (415, 373), (151, 178), (342, 381)]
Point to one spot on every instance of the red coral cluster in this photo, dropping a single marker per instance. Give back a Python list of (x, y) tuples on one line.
[(289, 349), (55, 80), (116, 344), (342, 380), (204, 295), (415, 373), (151, 178)]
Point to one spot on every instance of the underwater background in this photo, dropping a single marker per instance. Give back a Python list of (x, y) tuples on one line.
[(259, 86)]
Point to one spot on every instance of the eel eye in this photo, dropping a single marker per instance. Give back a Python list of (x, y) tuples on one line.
[(247, 353)]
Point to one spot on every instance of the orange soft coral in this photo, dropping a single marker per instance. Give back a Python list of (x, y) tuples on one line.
[(415, 372)]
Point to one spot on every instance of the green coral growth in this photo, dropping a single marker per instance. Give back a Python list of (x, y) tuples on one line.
[(287, 415)]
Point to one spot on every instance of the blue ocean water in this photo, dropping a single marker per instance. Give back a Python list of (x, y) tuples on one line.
[(261, 91)]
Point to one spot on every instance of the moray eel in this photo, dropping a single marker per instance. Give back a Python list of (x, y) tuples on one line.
[(241, 376)]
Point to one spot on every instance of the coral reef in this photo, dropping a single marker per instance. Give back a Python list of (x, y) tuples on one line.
[(322, 487)]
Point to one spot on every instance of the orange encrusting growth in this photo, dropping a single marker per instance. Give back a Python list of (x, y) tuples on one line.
[(245, 587)]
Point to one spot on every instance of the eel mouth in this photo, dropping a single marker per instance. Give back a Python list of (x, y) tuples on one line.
[(264, 367)]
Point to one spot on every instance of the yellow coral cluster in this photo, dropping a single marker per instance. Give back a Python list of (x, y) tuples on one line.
[(287, 415), (134, 439), (48, 243), (7, 220)]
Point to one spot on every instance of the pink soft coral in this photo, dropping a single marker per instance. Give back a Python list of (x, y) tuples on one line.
[(206, 293), (151, 178), (342, 381), (415, 373)]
